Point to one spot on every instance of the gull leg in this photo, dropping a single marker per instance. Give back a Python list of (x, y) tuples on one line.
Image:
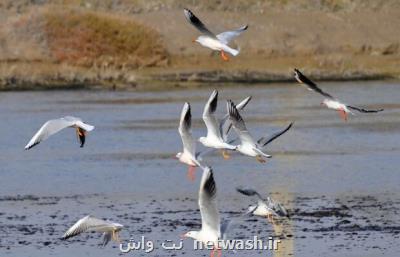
[(117, 237), (224, 56), (342, 114), (212, 252), (191, 173), (219, 252), (225, 154), (260, 159)]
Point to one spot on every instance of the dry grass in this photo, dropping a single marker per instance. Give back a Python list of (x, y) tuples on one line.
[(81, 37), (137, 6), (89, 39)]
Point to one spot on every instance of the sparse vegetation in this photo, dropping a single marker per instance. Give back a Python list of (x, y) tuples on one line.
[(86, 38), (126, 43)]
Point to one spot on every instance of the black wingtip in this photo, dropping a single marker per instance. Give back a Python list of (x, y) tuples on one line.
[(27, 148), (214, 101), (188, 116), (247, 192), (209, 185)]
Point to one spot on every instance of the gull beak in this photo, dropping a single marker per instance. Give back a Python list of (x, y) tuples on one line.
[(193, 40), (183, 236)]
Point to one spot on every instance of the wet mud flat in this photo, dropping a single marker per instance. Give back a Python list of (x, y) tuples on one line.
[(358, 224)]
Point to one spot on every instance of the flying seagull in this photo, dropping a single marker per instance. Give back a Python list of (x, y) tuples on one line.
[(211, 228), (188, 156), (217, 132), (215, 42), (214, 138), (330, 101), (109, 229), (269, 208), (53, 126), (248, 146)]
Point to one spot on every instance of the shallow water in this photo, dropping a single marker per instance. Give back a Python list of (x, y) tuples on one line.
[(339, 179)]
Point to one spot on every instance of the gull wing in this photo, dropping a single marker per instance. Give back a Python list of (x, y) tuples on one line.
[(210, 220), (209, 118), (249, 192), (266, 140), (226, 124), (185, 130), (85, 224), (51, 127), (238, 124), (362, 110), (227, 36), (302, 79), (277, 208), (196, 22)]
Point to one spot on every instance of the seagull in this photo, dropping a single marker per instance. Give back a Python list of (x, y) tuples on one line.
[(53, 126), (268, 209), (330, 101), (215, 42), (247, 145), (188, 156), (109, 229), (211, 228), (217, 131)]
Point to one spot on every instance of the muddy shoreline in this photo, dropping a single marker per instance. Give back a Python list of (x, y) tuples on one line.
[(172, 79)]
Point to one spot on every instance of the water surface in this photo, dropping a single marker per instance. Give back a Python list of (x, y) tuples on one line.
[(339, 179)]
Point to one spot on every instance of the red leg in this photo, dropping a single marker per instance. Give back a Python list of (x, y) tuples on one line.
[(219, 252), (343, 114), (224, 56), (212, 253), (191, 173)]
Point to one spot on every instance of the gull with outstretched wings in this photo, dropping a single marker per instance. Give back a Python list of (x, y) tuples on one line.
[(110, 230), (248, 146), (215, 42), (330, 101), (214, 138), (212, 230), (269, 208), (51, 127), (188, 156)]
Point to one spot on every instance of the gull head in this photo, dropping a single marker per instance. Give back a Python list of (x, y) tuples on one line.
[(203, 40), (252, 208), (178, 155), (203, 140), (191, 234), (118, 226), (297, 75)]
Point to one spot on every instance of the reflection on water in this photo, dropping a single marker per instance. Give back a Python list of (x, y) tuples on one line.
[(332, 175)]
